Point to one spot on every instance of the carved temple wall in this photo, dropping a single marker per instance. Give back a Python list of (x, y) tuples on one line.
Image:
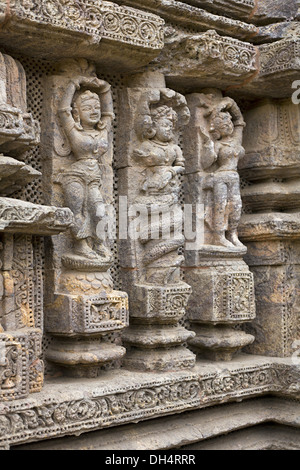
[(164, 105)]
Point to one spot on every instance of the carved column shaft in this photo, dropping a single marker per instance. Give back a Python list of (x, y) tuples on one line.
[(82, 305), (149, 164), (223, 290), (21, 369)]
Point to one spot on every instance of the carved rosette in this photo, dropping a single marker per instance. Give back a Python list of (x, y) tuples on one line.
[(82, 305), (223, 287), (150, 163)]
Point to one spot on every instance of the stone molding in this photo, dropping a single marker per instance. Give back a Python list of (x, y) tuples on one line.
[(68, 406), (24, 217), (89, 19)]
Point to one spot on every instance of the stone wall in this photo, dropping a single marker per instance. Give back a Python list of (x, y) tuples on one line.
[(149, 220)]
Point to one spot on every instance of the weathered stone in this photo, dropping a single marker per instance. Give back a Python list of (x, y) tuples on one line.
[(125, 164), (251, 10), (150, 162), (223, 290), (132, 397), (79, 28), (271, 166), (200, 429), (81, 302)]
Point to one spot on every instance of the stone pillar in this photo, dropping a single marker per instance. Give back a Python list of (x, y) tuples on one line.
[(82, 305), (223, 289), (150, 163), (271, 225), (21, 290)]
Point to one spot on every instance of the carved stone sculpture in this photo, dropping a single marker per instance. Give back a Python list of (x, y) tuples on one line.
[(83, 305), (223, 290), (150, 164), (86, 129), (222, 149)]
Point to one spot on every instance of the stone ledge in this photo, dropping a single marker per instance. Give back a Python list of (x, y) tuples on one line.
[(272, 226), (24, 217), (239, 67), (71, 406), (97, 30), (192, 427), (174, 11), (264, 11)]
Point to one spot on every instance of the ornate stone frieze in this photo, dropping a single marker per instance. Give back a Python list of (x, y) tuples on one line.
[(127, 398), (59, 24), (99, 19), (277, 70), (208, 56), (279, 57)]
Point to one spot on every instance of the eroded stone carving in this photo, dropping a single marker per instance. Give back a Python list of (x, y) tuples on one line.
[(223, 291), (75, 28), (22, 370), (86, 129), (151, 162), (205, 55), (82, 304)]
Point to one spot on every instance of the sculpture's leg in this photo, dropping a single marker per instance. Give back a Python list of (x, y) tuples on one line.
[(234, 212), (75, 199), (98, 214), (221, 213)]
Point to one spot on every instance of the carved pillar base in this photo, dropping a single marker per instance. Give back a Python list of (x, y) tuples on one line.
[(83, 357), (220, 342), (78, 345), (223, 297), (154, 339), (159, 359)]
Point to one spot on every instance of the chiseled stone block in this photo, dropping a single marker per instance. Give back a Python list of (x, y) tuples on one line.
[(14, 362)]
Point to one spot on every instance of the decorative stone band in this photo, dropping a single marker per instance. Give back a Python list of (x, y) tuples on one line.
[(24, 217), (65, 408), (99, 19), (176, 12), (280, 56), (21, 370), (236, 55)]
